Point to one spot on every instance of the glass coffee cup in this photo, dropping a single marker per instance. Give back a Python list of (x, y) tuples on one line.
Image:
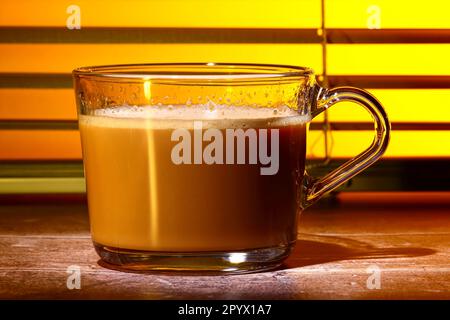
[(201, 167)]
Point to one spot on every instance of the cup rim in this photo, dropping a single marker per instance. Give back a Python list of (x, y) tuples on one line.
[(194, 71)]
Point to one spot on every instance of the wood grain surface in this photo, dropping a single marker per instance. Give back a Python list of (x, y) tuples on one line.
[(405, 235)]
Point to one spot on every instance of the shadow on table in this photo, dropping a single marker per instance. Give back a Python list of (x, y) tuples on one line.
[(314, 249)]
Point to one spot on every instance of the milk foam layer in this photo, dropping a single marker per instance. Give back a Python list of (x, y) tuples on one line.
[(182, 116)]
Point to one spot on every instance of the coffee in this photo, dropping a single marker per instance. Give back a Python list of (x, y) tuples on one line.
[(141, 199)]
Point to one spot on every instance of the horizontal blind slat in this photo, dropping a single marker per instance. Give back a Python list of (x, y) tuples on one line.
[(64, 80), (388, 59), (402, 105), (391, 14), (334, 126), (38, 104), (63, 58), (165, 13), (60, 35), (157, 35), (54, 144), (386, 175)]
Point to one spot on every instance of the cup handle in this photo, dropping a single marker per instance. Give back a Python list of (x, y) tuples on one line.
[(316, 188)]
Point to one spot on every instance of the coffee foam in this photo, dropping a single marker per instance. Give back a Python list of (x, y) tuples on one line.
[(183, 116)]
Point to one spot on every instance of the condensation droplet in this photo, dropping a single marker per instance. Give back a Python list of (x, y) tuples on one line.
[(211, 106)]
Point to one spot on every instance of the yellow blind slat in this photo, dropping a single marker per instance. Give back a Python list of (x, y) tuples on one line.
[(165, 13), (42, 144), (391, 14), (388, 59), (402, 105), (346, 144), (35, 145), (63, 58), (38, 104)]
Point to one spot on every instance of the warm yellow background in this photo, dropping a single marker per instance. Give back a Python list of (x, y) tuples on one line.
[(403, 105)]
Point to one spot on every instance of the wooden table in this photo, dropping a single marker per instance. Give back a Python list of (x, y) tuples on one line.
[(404, 236)]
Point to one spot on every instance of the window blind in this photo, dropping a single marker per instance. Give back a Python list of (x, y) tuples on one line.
[(398, 50)]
